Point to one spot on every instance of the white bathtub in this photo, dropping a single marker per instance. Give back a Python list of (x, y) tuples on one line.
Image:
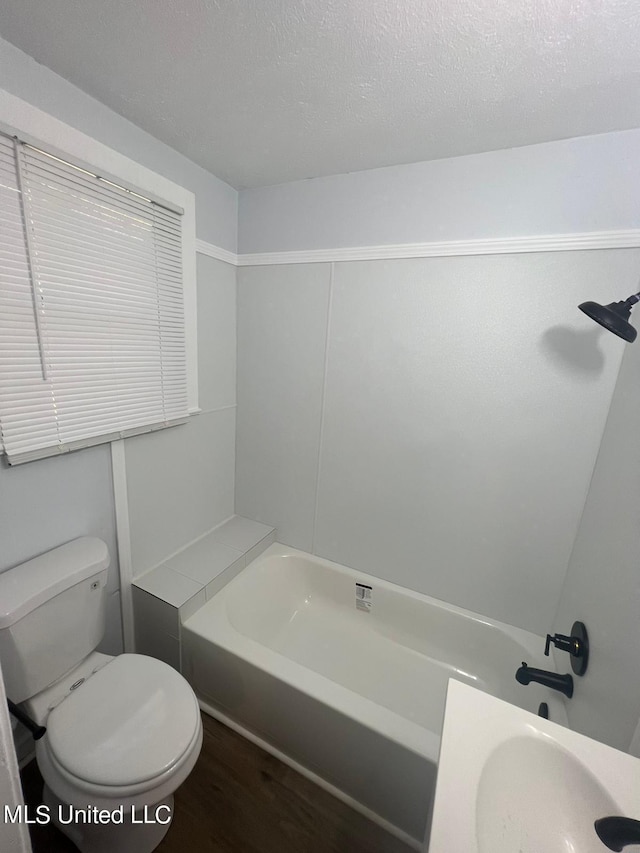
[(353, 694)]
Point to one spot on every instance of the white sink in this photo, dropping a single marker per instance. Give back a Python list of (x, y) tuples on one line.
[(511, 782), (552, 808)]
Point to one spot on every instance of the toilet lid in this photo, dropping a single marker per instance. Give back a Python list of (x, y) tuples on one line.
[(128, 723)]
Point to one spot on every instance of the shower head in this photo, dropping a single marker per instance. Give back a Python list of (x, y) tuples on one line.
[(614, 317)]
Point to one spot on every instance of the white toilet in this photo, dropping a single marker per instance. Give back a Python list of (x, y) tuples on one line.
[(122, 731)]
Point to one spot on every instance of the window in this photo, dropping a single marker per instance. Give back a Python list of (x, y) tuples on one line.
[(92, 332)]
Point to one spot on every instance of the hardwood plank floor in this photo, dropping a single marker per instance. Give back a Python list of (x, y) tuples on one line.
[(240, 799)]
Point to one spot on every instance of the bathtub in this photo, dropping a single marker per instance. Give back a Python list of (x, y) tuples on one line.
[(344, 676)]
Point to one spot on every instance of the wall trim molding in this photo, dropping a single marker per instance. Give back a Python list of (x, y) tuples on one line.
[(213, 251), (622, 239), (123, 534)]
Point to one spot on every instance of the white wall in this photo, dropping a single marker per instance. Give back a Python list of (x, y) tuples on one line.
[(602, 586), (282, 331), (590, 183), (216, 201), (180, 481), (448, 442)]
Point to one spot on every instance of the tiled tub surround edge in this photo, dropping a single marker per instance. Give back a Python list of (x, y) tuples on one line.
[(168, 594)]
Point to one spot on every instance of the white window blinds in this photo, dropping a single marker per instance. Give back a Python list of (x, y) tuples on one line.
[(92, 339)]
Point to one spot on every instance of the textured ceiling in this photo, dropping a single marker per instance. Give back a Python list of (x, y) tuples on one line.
[(265, 91)]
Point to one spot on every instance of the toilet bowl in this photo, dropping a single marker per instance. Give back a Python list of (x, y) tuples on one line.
[(122, 732), (122, 742)]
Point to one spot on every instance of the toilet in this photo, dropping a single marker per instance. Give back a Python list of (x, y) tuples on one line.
[(122, 732)]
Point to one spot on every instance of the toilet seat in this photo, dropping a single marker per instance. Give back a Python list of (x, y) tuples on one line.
[(79, 792), (126, 729)]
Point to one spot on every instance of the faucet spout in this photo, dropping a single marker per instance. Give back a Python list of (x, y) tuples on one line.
[(617, 832), (562, 683)]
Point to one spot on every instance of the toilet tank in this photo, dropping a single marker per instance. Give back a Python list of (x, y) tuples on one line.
[(52, 614)]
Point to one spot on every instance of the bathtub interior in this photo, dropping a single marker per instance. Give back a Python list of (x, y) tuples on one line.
[(399, 654)]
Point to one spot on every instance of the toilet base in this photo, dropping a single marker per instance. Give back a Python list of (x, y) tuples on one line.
[(125, 837)]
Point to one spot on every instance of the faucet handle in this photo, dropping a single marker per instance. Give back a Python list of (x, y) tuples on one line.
[(577, 645), (562, 642)]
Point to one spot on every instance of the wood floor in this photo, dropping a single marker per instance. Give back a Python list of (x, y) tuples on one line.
[(239, 799)]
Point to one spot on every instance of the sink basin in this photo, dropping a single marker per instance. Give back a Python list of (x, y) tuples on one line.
[(511, 782), (554, 811)]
